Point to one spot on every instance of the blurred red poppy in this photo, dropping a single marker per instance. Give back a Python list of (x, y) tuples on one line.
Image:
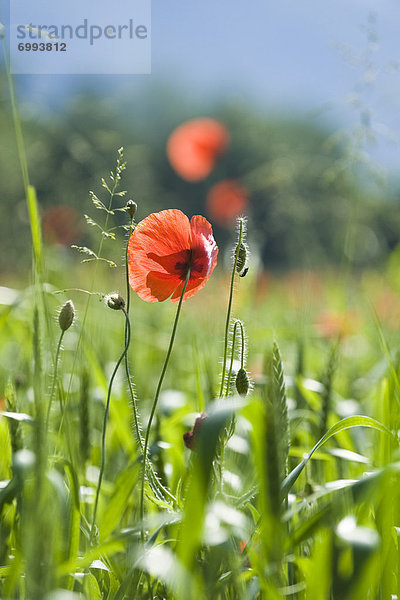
[(161, 250), (190, 438), (226, 200), (194, 147), (62, 225), (333, 324)]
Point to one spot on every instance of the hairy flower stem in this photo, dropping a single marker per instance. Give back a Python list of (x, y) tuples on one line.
[(103, 440), (135, 411), (242, 352), (230, 429), (53, 385), (228, 315), (155, 401)]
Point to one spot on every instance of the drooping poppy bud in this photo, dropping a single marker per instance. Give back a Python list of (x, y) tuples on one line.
[(242, 382), (242, 258)]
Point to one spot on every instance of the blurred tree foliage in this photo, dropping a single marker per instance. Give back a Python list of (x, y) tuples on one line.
[(304, 196)]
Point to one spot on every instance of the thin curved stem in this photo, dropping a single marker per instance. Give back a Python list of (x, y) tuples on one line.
[(53, 385), (242, 350), (157, 394), (228, 315), (128, 287), (103, 440), (224, 439), (135, 411)]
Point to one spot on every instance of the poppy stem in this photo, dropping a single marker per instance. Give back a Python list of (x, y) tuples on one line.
[(228, 316), (242, 350), (155, 401), (53, 385), (103, 439), (135, 410)]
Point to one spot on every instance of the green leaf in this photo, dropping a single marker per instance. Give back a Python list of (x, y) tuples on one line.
[(109, 548), (347, 423), (118, 503), (91, 587)]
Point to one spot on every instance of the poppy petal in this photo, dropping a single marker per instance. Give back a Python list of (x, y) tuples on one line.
[(157, 287), (162, 233), (204, 247)]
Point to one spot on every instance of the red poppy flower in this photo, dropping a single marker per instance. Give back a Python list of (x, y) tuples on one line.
[(193, 148), (163, 247), (226, 200)]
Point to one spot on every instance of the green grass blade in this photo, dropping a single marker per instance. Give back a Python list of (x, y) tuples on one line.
[(347, 423), (34, 220)]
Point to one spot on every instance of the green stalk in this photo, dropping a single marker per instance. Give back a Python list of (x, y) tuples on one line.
[(103, 440), (228, 315), (157, 394), (17, 122), (53, 386)]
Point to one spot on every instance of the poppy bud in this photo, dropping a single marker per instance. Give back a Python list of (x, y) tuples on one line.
[(66, 316), (131, 207), (115, 301), (241, 258), (242, 382)]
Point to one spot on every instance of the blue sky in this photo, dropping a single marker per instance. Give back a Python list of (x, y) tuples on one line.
[(305, 56)]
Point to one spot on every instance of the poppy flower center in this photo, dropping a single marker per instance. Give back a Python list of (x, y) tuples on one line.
[(178, 263), (195, 264)]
